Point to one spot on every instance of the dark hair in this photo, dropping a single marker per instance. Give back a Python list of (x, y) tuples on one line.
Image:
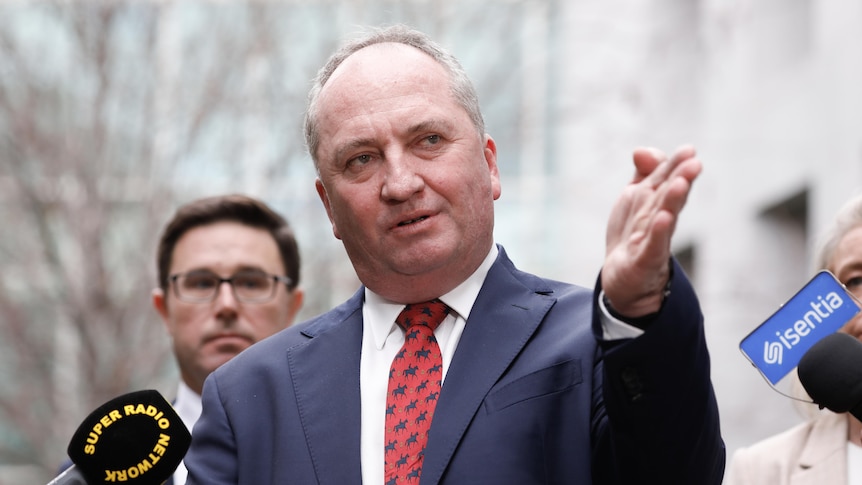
[(236, 208), (462, 88)]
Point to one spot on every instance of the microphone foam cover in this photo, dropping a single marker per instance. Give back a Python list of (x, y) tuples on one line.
[(136, 438), (831, 373)]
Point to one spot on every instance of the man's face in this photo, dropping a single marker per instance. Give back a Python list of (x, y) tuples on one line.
[(846, 265), (407, 181), (206, 335)]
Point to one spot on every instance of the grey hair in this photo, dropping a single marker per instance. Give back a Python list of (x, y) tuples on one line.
[(462, 88), (848, 218)]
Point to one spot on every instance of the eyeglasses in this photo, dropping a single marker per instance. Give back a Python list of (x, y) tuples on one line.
[(247, 286)]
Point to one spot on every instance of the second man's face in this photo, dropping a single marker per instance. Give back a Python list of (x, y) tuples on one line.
[(205, 335)]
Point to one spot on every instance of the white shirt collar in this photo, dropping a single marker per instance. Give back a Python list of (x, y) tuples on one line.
[(187, 405), (383, 312)]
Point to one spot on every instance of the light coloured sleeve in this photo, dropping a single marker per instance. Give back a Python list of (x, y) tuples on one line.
[(735, 474)]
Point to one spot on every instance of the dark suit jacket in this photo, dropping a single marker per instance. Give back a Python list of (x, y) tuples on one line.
[(532, 396)]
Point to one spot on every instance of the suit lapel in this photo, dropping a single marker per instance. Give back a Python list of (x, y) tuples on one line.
[(508, 326), (823, 458), (325, 374)]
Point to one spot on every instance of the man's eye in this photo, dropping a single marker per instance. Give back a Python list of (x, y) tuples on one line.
[(360, 160), (200, 282), (250, 282), (431, 140)]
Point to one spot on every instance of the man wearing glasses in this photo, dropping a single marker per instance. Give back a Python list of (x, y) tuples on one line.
[(228, 269)]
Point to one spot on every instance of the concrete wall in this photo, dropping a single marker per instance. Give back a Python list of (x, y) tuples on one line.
[(769, 92)]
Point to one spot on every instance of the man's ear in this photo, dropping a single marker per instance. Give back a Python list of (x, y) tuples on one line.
[(297, 298), (160, 303), (490, 152)]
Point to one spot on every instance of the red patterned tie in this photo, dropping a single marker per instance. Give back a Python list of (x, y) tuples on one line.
[(414, 385)]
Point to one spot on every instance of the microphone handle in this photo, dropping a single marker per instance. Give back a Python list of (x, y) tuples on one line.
[(71, 476)]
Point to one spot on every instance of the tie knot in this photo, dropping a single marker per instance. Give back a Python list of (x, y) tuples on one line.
[(427, 313)]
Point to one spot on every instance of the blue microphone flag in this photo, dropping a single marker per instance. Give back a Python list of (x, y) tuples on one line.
[(819, 309)]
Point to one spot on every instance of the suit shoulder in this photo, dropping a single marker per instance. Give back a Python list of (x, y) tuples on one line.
[(542, 285)]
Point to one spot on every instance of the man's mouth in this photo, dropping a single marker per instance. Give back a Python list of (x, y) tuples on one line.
[(227, 337), (411, 221)]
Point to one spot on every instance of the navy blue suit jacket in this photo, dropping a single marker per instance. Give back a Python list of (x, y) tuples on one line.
[(532, 396)]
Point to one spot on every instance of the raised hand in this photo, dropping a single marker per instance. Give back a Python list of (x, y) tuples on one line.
[(640, 228)]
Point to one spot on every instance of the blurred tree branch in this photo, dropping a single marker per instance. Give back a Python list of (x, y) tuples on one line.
[(95, 120)]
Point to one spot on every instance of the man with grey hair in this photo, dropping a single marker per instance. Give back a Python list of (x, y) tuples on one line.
[(450, 365)]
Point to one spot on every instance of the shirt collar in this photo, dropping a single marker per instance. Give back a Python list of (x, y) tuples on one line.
[(381, 313), (187, 405)]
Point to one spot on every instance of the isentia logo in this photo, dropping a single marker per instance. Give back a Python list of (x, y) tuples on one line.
[(773, 352)]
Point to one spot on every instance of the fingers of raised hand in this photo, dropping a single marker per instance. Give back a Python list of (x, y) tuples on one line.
[(679, 164), (654, 202), (646, 159), (670, 181)]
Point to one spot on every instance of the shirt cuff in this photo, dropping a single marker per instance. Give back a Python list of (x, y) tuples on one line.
[(613, 328)]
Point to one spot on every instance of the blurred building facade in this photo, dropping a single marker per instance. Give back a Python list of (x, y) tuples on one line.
[(768, 92)]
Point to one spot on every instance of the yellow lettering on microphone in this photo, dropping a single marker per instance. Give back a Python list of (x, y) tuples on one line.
[(158, 451), (145, 465), (98, 428), (109, 418), (150, 411), (162, 444)]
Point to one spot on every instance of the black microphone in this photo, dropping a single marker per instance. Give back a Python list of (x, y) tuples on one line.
[(831, 373), (136, 438)]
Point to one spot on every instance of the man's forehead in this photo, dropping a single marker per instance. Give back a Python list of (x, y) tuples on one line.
[(223, 242), (378, 77), (380, 62)]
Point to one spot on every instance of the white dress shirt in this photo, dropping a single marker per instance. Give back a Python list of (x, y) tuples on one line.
[(854, 464), (382, 338), (188, 407)]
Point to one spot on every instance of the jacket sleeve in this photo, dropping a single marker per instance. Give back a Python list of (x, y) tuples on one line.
[(662, 423)]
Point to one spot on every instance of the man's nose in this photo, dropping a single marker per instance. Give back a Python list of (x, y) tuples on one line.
[(225, 297), (401, 178)]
